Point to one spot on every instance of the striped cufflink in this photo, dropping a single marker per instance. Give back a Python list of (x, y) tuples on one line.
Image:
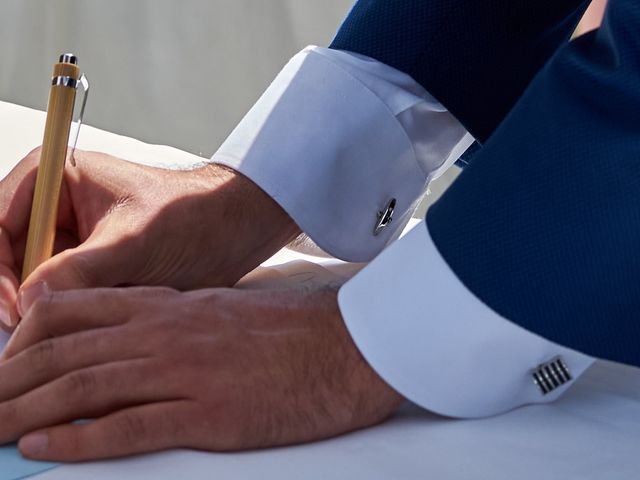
[(551, 375)]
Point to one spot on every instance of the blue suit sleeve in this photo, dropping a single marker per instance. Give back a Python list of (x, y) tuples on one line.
[(475, 56), (544, 225)]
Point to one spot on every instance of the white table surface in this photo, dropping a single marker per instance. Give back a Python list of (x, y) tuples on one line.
[(593, 432)]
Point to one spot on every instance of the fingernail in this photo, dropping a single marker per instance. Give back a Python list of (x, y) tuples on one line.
[(34, 444), (5, 314), (28, 296)]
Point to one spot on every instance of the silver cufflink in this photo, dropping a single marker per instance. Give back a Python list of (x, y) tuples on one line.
[(385, 217), (551, 375)]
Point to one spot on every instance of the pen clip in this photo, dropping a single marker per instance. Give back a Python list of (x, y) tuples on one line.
[(84, 82)]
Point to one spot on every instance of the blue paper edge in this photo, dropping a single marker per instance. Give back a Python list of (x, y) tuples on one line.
[(33, 467), (45, 469)]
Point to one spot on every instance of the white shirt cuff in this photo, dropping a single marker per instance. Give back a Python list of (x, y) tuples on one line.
[(437, 344), (335, 138)]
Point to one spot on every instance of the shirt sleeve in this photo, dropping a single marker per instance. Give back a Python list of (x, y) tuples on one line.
[(437, 344), (344, 144), (339, 139)]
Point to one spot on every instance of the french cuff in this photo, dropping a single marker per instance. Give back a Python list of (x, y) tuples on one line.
[(332, 154), (439, 346)]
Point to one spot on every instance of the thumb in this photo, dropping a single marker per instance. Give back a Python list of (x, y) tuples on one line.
[(95, 263)]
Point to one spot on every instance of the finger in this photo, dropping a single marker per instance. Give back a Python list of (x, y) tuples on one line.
[(8, 283), (49, 314), (136, 430), (105, 259), (16, 194), (53, 314), (87, 393), (54, 357), (8, 291)]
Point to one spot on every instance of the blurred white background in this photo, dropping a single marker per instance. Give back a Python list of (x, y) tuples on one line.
[(174, 72)]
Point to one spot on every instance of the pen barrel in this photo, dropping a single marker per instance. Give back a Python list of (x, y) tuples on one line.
[(46, 197)]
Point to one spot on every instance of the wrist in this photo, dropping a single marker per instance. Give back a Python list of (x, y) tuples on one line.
[(258, 226), (372, 399), (348, 386)]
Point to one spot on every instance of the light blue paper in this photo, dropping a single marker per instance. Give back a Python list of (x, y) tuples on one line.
[(13, 466)]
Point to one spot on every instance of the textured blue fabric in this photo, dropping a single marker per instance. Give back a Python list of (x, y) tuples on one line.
[(544, 225), (475, 56)]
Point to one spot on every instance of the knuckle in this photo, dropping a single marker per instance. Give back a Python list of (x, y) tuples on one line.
[(8, 413), (82, 382), (42, 305), (42, 355), (33, 157), (179, 426), (35, 151), (29, 164), (130, 428), (11, 421), (83, 270), (71, 444)]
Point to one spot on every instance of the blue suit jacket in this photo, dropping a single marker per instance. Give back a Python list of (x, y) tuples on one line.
[(544, 225)]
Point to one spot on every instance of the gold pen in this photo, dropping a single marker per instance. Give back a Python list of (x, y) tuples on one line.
[(44, 211)]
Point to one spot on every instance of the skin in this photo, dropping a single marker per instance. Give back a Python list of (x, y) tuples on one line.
[(183, 365), (121, 223)]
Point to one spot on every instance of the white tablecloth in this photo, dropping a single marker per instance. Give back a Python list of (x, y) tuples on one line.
[(591, 433)]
